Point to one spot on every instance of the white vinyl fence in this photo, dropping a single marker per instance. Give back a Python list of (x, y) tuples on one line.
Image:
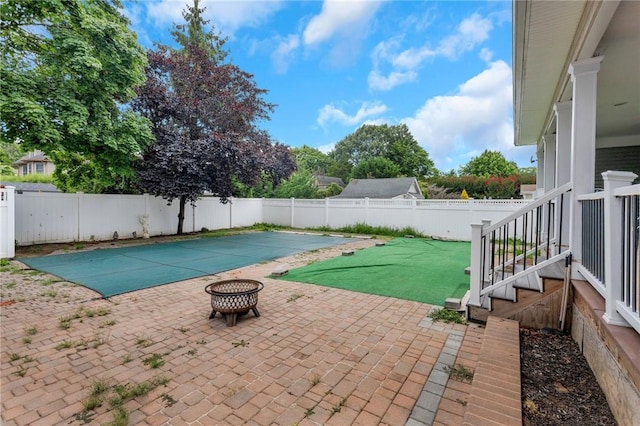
[(447, 219), (57, 217)]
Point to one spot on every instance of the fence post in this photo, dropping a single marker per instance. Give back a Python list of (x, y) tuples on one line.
[(292, 213), (366, 210), (7, 222), (613, 244), (81, 209), (475, 280), (326, 212)]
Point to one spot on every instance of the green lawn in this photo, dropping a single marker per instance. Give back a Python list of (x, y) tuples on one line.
[(417, 269)]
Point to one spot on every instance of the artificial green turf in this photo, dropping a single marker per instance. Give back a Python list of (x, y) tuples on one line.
[(416, 269)]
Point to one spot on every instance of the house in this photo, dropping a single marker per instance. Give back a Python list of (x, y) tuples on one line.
[(322, 182), (21, 187), (35, 162), (576, 77), (387, 188), (528, 191)]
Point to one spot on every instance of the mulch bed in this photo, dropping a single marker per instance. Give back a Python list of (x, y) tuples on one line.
[(558, 386)]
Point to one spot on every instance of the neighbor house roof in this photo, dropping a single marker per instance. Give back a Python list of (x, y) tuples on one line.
[(32, 157), (382, 188), (31, 187), (324, 181)]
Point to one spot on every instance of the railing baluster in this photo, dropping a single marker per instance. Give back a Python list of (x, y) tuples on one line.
[(560, 224)]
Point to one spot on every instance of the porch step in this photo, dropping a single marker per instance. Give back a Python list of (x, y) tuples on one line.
[(495, 396), (532, 308)]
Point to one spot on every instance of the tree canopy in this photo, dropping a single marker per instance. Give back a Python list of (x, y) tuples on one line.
[(489, 163), (375, 168), (394, 143), (312, 160), (203, 113), (68, 69)]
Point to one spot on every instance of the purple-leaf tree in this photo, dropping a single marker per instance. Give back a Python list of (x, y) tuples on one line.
[(204, 113)]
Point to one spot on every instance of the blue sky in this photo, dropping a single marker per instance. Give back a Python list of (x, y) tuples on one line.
[(442, 68)]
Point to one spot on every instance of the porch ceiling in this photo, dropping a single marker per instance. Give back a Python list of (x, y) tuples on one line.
[(548, 36)]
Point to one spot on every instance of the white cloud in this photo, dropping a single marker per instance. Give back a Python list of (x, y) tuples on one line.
[(338, 16), (378, 81), (283, 54), (330, 113), (404, 64), (462, 125), (471, 32), (486, 54), (325, 149), (345, 24), (227, 16)]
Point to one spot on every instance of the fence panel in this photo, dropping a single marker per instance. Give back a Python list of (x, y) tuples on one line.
[(309, 213), (100, 216), (46, 218), (276, 211), (245, 212)]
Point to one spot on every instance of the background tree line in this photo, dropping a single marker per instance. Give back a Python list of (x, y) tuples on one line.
[(179, 122)]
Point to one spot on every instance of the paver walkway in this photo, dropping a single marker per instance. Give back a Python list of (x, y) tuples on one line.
[(316, 356)]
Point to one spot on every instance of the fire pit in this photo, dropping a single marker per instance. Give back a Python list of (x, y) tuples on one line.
[(234, 297)]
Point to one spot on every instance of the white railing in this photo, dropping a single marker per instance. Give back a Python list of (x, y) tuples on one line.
[(592, 264), (610, 248), (628, 304), (523, 242)]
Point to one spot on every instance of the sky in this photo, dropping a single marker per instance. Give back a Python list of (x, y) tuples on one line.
[(443, 68)]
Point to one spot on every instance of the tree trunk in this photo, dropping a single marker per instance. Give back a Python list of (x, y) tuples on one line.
[(183, 202)]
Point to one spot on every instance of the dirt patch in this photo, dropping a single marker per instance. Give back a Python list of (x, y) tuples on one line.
[(558, 386)]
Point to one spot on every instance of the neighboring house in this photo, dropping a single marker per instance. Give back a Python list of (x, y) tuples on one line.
[(322, 182), (576, 81), (21, 187), (382, 188), (528, 191), (34, 162)]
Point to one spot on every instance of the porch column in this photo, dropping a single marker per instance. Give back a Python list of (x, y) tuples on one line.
[(563, 112), (584, 76), (549, 162), (540, 163), (549, 143)]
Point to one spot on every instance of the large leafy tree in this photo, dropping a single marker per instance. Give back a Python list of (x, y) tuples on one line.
[(299, 185), (68, 69), (489, 163), (394, 143), (312, 159), (375, 168), (204, 112)]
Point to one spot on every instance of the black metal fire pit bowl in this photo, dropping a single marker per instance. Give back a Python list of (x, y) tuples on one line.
[(234, 297)]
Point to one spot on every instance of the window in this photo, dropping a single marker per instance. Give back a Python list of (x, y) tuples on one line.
[(39, 168)]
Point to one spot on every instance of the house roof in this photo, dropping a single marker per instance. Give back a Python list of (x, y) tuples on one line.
[(328, 180), (548, 36), (31, 187), (381, 188), (37, 157)]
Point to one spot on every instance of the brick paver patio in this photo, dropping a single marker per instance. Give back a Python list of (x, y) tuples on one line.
[(316, 356)]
